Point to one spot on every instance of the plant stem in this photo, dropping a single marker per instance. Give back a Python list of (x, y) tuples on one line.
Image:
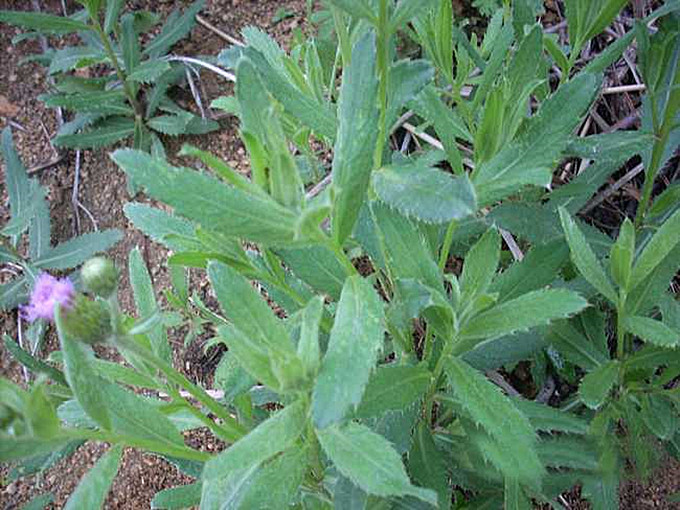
[(448, 238), (145, 444), (343, 36), (383, 72), (232, 430), (119, 72)]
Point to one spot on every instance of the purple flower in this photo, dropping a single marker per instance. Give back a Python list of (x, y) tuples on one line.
[(48, 291)]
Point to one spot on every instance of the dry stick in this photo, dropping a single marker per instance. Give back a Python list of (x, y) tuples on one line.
[(500, 381), (320, 186), (190, 60), (213, 28), (74, 197), (607, 192), (624, 88), (433, 141), (194, 91), (46, 164), (20, 337), (512, 245)]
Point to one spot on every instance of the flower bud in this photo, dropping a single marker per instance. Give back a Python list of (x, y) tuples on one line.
[(88, 321), (99, 276)]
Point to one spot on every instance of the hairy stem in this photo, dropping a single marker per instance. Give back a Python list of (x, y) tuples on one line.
[(383, 72)]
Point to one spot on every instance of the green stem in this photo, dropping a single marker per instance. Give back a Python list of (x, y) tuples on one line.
[(383, 72), (214, 427), (232, 430), (342, 257), (620, 331), (446, 248), (144, 444), (119, 72)]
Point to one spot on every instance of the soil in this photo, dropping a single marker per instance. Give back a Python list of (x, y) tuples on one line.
[(103, 192)]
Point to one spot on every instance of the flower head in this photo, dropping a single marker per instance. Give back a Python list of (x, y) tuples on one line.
[(47, 292), (99, 276)]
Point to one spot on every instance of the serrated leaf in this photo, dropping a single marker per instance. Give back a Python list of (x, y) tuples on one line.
[(43, 22), (496, 414), (405, 248), (270, 437), (77, 250), (356, 137), (549, 419), (176, 28), (425, 193), (652, 331), (94, 486), (129, 43), (596, 385), (568, 452), (407, 79), (575, 346), (173, 125), (585, 259), (660, 416), (530, 158), (106, 132), (527, 311), (621, 256), (356, 8), (393, 388), (369, 461), (159, 225), (481, 263), (536, 270), (208, 201), (658, 247), (427, 464), (505, 351), (16, 178), (355, 340), (113, 8), (109, 102), (75, 57), (318, 267)]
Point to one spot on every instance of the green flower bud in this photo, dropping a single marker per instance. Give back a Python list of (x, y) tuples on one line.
[(99, 276), (88, 321)]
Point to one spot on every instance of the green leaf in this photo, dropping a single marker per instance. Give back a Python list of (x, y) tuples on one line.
[(176, 498), (145, 302), (496, 414), (172, 125), (113, 8), (596, 385), (347, 496), (407, 9), (480, 265), (355, 340), (75, 57), (39, 502), (568, 452), (514, 497), (109, 102), (16, 178), (77, 250), (106, 132), (81, 377), (404, 247), (660, 245), (393, 388), (43, 22), (270, 437), (129, 43), (176, 27), (93, 488), (659, 416), (530, 158), (35, 365), (585, 259), (527, 311), (318, 267), (652, 331), (621, 256), (159, 225), (208, 201), (407, 79), (535, 271), (575, 346), (259, 327), (356, 8), (277, 482), (149, 71), (356, 137), (427, 465), (549, 419), (369, 461), (308, 348), (425, 193)]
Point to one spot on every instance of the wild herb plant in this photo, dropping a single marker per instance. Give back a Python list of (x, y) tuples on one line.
[(371, 391), (120, 86), (30, 221)]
